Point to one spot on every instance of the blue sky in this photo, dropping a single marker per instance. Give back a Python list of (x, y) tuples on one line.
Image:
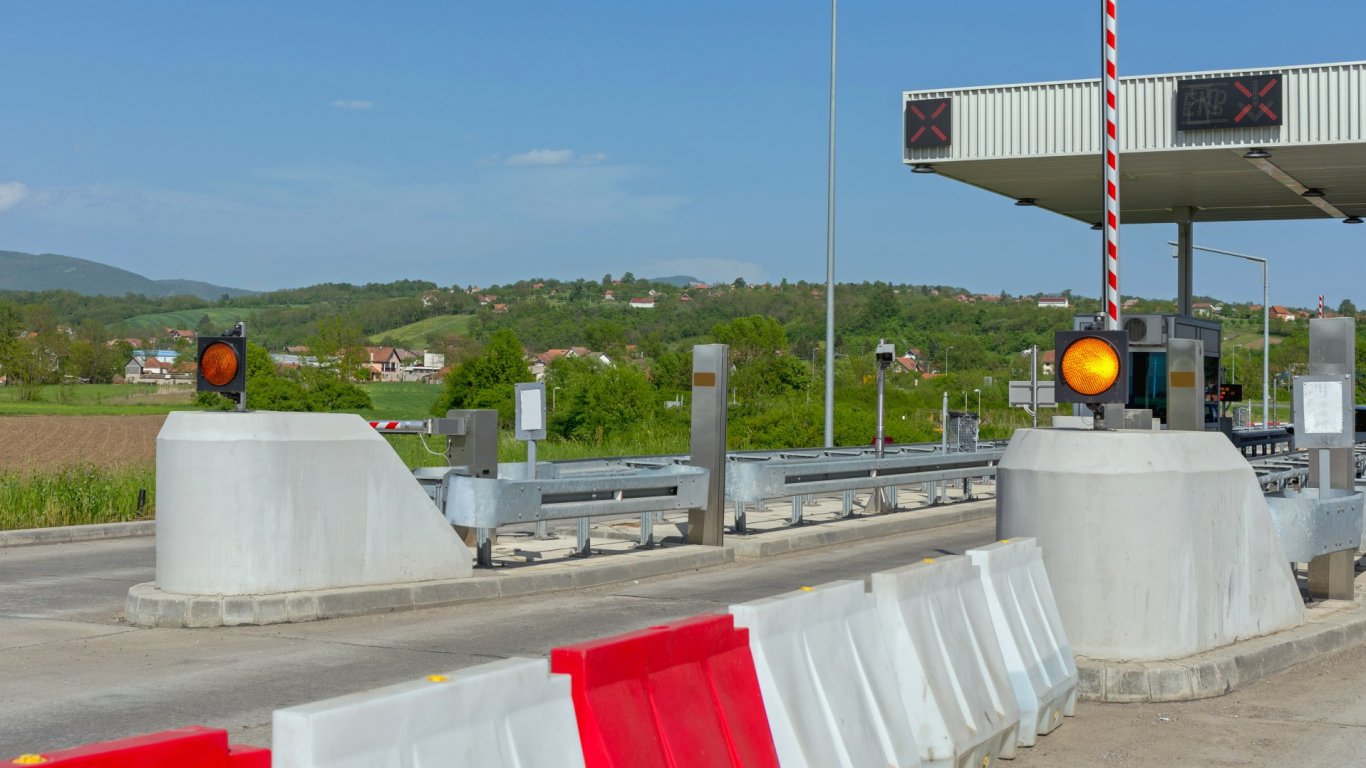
[(268, 145)]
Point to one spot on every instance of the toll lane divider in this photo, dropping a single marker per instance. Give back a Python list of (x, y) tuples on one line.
[(950, 671), (828, 681), (178, 748), (678, 695), (1043, 671), (506, 714)]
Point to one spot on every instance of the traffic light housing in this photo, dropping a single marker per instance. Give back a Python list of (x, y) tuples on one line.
[(222, 365), (1092, 367)]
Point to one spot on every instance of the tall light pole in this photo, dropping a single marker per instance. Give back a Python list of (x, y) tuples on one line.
[(1266, 320), (946, 362), (979, 402), (830, 251)]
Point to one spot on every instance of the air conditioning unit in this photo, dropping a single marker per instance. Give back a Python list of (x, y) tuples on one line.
[(1146, 330)]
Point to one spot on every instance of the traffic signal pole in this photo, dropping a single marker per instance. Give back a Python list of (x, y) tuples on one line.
[(242, 397)]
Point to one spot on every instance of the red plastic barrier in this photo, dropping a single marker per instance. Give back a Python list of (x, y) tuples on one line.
[(680, 695), (192, 747)]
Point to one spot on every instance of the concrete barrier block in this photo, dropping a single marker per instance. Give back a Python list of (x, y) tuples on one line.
[(828, 680), (506, 714), (950, 671), (314, 501), (1043, 672), (1180, 553)]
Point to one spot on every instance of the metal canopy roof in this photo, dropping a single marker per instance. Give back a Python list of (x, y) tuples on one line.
[(1042, 141)]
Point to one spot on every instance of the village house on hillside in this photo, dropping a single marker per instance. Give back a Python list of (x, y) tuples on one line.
[(157, 366), (383, 363), (1279, 312)]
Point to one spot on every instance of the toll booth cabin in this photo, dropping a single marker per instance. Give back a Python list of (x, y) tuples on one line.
[(1147, 364)]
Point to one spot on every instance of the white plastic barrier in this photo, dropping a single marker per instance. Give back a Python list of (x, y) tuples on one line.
[(507, 714), (949, 667), (1033, 641), (827, 679)]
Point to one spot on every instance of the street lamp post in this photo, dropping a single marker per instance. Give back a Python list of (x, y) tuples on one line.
[(1266, 319), (946, 361), (553, 398), (979, 402)]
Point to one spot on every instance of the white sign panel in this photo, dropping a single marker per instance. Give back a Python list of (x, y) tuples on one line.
[(1323, 407), (530, 415)]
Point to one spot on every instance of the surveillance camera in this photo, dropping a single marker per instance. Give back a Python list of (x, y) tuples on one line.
[(885, 353)]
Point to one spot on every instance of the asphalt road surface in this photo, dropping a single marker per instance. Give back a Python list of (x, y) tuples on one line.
[(72, 672)]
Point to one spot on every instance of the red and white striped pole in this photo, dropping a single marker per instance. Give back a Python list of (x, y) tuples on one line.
[(1320, 306), (1110, 142)]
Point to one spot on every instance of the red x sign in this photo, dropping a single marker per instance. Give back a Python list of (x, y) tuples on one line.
[(929, 123)]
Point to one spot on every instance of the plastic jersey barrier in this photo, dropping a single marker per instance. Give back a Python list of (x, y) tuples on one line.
[(506, 714), (949, 667), (827, 679), (195, 746), (679, 695), (1033, 641)]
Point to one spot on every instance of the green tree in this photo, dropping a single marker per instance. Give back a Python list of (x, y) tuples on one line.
[(486, 381), (1347, 308)]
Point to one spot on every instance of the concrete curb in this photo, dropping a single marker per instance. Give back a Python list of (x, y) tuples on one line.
[(148, 606), (820, 535), (71, 533), (1340, 624)]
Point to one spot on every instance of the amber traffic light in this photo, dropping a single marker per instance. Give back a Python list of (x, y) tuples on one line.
[(1092, 367), (222, 365)]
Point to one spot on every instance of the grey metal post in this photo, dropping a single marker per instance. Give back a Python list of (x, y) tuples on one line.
[(883, 350), (1332, 351), (1186, 384), (944, 424), (830, 251), (710, 377), (242, 398), (541, 532), (1184, 259), (797, 508), (1266, 343), (1034, 383)]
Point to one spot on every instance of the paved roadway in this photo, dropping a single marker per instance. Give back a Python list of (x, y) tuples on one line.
[(71, 672)]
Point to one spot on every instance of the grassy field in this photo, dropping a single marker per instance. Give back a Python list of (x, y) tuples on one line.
[(76, 496), (415, 335), (401, 400), (99, 400), (221, 317)]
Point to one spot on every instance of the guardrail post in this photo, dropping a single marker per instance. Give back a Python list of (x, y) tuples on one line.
[(710, 380)]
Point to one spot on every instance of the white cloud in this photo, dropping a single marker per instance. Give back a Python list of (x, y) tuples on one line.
[(353, 104), (11, 194), (545, 157)]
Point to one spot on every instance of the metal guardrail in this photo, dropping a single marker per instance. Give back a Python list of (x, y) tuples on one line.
[(796, 474), (1280, 471), (489, 503)]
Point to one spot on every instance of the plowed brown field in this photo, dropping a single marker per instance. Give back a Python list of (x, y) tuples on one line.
[(48, 442)]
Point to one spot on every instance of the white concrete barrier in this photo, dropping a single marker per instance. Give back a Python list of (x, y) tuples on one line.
[(261, 503), (1159, 544), (506, 714), (1033, 641), (827, 679), (949, 669)]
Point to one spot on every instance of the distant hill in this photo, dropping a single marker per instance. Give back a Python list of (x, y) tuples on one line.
[(682, 281), (48, 272)]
